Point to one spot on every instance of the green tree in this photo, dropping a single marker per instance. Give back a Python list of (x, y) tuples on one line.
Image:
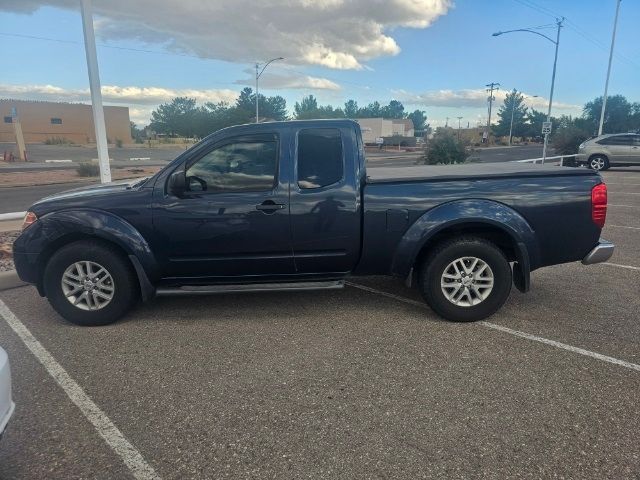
[(534, 123), (419, 119), (513, 103), (306, 109), (395, 109), (176, 117), (566, 138), (372, 110), (618, 116), (351, 109), (445, 148)]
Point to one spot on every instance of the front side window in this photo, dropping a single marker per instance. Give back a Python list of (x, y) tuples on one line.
[(320, 161), (239, 166)]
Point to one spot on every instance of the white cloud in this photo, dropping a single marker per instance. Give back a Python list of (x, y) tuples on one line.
[(341, 34), (473, 98), (290, 81)]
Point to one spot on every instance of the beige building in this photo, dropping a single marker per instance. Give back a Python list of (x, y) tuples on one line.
[(70, 121), (373, 128)]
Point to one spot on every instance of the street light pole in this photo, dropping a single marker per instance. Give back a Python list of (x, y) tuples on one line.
[(258, 74), (606, 83), (556, 42), (459, 118)]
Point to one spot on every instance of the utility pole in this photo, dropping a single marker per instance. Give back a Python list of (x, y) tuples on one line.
[(96, 94), (606, 84), (553, 82), (446, 124), (459, 118), (17, 127), (492, 86)]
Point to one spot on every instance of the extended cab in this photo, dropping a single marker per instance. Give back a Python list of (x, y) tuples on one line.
[(293, 205)]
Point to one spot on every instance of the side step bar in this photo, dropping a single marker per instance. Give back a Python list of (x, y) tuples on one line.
[(251, 287)]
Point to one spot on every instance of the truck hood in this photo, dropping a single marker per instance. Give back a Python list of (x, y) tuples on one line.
[(468, 171), (91, 191)]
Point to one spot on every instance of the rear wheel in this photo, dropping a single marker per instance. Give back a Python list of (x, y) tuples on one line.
[(90, 283), (466, 279), (598, 162)]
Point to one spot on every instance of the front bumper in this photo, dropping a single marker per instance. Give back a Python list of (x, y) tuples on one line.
[(600, 253)]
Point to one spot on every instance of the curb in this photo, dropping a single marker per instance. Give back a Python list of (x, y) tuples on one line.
[(12, 216), (10, 280)]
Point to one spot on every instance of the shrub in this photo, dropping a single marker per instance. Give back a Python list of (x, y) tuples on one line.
[(445, 148), (88, 169), (57, 141), (118, 143), (567, 139)]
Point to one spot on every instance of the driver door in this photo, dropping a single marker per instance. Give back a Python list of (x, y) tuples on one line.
[(233, 219)]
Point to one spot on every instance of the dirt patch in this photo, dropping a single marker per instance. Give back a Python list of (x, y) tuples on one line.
[(48, 177), (6, 250)]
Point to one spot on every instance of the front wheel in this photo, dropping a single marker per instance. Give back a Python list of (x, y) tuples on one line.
[(466, 279), (90, 283)]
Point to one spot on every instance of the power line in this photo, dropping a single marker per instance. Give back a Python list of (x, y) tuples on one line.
[(576, 28)]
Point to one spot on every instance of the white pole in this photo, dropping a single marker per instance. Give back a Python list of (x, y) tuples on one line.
[(606, 83), (257, 77), (96, 94)]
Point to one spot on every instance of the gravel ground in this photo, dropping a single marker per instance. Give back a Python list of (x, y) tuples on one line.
[(6, 242)]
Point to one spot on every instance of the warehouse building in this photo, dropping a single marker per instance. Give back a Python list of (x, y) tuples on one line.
[(72, 122), (373, 128)]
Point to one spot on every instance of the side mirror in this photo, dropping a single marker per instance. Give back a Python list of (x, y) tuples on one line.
[(177, 183)]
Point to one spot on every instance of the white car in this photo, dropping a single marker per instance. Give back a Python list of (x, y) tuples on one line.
[(6, 403)]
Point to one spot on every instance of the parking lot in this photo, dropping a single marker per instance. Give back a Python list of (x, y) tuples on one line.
[(364, 382)]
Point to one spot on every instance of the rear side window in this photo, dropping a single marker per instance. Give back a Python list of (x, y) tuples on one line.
[(320, 161), (617, 140)]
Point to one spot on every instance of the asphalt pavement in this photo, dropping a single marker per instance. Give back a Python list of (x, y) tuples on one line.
[(357, 383)]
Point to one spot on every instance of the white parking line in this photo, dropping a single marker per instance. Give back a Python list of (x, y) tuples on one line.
[(510, 331), (624, 226), (625, 193), (622, 184), (104, 426), (616, 205), (629, 267)]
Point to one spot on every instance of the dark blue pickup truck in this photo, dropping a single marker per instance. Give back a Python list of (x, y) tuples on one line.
[(292, 206)]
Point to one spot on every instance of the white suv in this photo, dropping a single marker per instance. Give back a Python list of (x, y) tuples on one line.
[(6, 403), (601, 152)]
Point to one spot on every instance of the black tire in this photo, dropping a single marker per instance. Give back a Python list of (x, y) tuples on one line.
[(598, 163), (124, 282), (434, 266)]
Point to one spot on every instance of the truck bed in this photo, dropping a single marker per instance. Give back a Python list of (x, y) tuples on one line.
[(421, 173)]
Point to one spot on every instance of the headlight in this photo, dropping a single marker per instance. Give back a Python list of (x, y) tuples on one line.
[(29, 219), (581, 146)]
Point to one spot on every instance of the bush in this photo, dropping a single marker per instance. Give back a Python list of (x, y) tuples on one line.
[(118, 143), (57, 141), (445, 148), (87, 169), (567, 139)]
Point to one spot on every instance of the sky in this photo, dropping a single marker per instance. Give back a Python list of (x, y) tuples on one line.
[(433, 55)]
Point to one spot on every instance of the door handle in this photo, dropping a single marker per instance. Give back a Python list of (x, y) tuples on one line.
[(269, 206)]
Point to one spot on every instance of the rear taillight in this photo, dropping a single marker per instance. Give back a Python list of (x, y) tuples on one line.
[(599, 204), (29, 219)]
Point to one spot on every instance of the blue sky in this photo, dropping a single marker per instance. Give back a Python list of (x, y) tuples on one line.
[(441, 68)]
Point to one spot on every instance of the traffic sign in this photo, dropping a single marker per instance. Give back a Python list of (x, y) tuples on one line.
[(546, 128), (379, 140)]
